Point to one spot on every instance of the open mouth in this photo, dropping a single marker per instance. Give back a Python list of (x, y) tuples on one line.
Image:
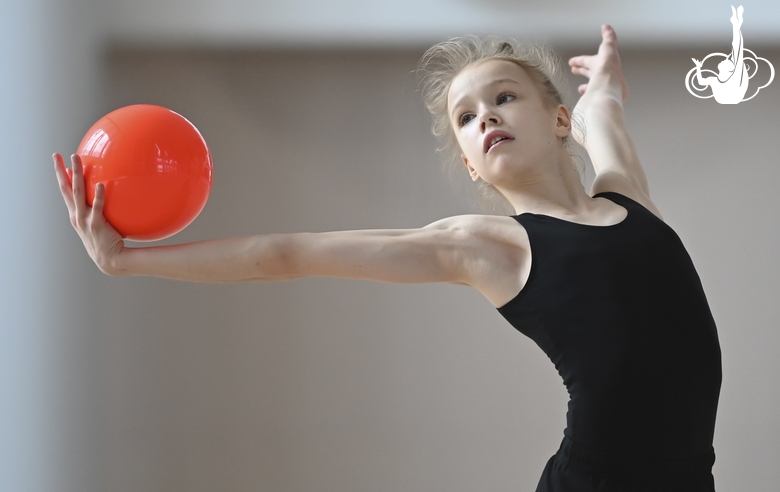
[(495, 138)]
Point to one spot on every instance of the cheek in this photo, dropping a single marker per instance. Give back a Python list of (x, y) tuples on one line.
[(472, 149), (462, 139)]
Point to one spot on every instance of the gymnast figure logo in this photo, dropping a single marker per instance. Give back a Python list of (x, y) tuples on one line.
[(735, 71)]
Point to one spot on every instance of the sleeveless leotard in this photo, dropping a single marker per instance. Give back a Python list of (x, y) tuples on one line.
[(621, 313)]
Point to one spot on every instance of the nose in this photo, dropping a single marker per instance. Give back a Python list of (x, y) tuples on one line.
[(487, 118)]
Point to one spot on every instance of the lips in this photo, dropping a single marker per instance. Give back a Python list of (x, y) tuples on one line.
[(495, 137)]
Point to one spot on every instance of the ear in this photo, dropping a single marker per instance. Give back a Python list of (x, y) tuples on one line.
[(472, 172), (562, 122)]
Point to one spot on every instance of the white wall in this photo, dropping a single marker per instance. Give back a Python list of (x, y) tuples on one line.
[(420, 22), (48, 440)]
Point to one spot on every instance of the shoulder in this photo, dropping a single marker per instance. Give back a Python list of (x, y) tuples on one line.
[(493, 228), (611, 182), (493, 251), (475, 223)]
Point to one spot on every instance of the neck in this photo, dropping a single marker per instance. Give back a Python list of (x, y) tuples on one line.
[(555, 188)]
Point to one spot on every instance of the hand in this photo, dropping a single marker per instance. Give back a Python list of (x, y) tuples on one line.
[(697, 62), (103, 242), (603, 69)]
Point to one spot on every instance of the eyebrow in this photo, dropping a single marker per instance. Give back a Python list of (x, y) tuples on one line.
[(491, 83), (505, 79)]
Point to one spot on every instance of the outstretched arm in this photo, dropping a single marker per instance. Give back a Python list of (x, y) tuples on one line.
[(429, 254), (606, 137), (462, 250)]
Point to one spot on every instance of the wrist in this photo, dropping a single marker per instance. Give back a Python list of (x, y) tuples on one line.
[(600, 100), (117, 263), (600, 111), (607, 83)]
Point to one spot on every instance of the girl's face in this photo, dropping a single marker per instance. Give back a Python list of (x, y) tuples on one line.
[(501, 123)]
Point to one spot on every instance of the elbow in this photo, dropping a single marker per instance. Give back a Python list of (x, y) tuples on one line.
[(271, 258)]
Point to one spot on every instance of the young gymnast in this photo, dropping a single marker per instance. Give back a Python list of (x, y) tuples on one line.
[(597, 280)]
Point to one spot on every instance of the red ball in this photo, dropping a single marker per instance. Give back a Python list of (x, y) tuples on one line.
[(155, 166)]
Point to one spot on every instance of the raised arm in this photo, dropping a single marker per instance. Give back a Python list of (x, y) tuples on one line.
[(606, 137)]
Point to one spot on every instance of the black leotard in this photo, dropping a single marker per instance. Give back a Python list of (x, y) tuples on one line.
[(621, 312)]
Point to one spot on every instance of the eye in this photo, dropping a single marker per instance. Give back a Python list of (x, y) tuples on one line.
[(505, 98), (465, 118)]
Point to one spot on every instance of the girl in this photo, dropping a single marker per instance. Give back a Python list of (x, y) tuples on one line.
[(596, 279)]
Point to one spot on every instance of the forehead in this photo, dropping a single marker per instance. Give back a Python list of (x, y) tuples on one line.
[(483, 73)]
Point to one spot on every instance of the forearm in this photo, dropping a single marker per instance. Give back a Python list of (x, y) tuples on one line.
[(606, 139), (600, 106), (430, 254), (222, 260), (604, 124)]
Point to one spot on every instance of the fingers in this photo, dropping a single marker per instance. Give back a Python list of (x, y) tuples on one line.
[(78, 184), (78, 181), (100, 199), (72, 188), (82, 212), (585, 64), (64, 181), (608, 34), (581, 69), (608, 46), (81, 209), (581, 65), (606, 60), (77, 176)]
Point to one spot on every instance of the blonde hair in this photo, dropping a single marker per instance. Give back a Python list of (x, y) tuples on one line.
[(443, 62)]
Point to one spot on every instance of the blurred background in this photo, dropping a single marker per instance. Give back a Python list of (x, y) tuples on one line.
[(313, 116)]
